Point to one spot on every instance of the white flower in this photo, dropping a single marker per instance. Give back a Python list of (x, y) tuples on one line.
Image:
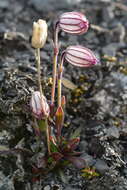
[(39, 34), (39, 105)]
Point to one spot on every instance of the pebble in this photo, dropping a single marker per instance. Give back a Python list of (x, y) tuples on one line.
[(2, 75), (6, 183), (47, 187), (113, 132), (4, 4), (46, 5), (111, 49), (101, 166), (108, 13), (89, 161)]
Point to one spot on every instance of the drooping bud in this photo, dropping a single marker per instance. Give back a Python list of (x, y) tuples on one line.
[(73, 23), (39, 34), (39, 105), (80, 56)]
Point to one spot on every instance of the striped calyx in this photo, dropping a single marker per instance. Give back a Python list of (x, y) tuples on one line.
[(73, 23), (39, 105), (80, 56)]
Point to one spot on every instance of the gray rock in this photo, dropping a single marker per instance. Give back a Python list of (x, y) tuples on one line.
[(111, 49), (117, 84), (83, 146), (101, 166), (4, 4), (108, 13), (113, 132), (89, 161), (2, 74), (6, 183), (46, 5), (47, 187)]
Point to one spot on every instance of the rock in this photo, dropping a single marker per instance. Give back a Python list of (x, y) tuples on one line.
[(108, 13), (4, 4), (69, 188), (101, 166), (6, 183), (46, 5), (89, 161), (2, 75), (118, 33), (111, 49), (113, 132), (117, 84), (47, 187), (83, 146)]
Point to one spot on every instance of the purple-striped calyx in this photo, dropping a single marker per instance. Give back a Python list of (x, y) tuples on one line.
[(39, 105), (80, 56), (73, 23)]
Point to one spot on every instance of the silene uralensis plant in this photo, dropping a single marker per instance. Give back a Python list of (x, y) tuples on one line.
[(49, 115)]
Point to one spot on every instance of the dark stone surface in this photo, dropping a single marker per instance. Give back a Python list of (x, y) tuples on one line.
[(100, 110)]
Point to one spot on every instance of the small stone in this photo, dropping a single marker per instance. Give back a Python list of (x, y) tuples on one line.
[(2, 74), (113, 132), (101, 166), (4, 4), (46, 5), (108, 13), (47, 187), (84, 146), (6, 183), (89, 161)]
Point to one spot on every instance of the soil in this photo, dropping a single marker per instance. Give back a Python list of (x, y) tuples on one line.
[(98, 105)]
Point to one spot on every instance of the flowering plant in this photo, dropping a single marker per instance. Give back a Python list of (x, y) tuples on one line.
[(49, 117)]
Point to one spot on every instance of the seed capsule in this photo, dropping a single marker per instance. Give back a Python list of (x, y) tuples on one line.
[(39, 34), (73, 23), (39, 105), (80, 56)]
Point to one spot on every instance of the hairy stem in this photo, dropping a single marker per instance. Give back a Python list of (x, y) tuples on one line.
[(37, 56), (55, 58), (59, 88), (59, 92), (48, 137)]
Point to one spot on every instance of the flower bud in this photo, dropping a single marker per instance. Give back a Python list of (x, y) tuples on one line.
[(80, 56), (39, 34), (73, 23), (39, 105)]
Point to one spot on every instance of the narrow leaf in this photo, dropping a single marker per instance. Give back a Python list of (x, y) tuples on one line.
[(68, 84), (53, 146), (76, 133)]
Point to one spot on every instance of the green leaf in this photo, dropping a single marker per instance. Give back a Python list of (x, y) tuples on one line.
[(53, 147), (68, 84), (50, 160), (76, 133), (89, 173)]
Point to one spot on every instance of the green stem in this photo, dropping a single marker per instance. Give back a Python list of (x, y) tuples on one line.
[(55, 58), (59, 92), (37, 56), (59, 88), (48, 137)]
